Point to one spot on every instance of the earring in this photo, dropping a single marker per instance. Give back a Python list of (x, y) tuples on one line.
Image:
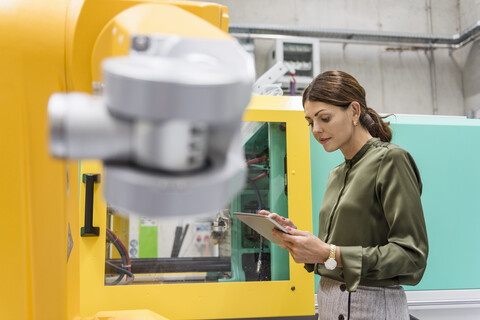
[(354, 123)]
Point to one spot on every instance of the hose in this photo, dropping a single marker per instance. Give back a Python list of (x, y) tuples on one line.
[(112, 237), (260, 268), (122, 272), (127, 265), (256, 160), (260, 176)]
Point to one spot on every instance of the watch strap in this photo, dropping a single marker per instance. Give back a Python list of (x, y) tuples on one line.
[(333, 249)]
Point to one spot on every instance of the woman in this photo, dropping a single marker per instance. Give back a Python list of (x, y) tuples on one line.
[(372, 236)]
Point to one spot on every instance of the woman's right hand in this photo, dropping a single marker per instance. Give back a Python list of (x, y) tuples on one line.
[(284, 222)]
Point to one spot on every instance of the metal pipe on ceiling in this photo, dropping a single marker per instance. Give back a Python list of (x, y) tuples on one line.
[(417, 41)]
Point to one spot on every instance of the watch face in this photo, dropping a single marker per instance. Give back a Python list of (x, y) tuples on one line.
[(330, 264)]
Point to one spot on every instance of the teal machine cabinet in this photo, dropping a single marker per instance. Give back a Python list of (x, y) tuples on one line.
[(265, 145), (447, 153)]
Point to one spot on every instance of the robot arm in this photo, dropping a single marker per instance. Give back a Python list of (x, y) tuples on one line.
[(167, 126), (269, 78)]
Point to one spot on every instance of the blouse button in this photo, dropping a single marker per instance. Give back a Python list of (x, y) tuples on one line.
[(341, 317), (343, 287)]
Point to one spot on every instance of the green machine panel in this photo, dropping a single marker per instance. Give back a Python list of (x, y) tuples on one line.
[(265, 151), (447, 153)]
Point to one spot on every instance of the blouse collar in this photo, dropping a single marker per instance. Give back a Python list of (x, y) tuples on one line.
[(361, 152)]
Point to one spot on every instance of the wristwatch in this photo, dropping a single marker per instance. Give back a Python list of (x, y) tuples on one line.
[(331, 263)]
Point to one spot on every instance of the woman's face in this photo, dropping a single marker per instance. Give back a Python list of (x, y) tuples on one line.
[(332, 126)]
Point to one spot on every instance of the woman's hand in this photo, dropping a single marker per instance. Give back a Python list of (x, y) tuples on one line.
[(303, 246), (284, 222)]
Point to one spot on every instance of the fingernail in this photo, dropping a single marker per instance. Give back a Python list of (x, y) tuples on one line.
[(283, 218), (288, 228)]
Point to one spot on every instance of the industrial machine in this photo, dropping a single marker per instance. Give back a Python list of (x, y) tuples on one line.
[(149, 234), (156, 90), (212, 261)]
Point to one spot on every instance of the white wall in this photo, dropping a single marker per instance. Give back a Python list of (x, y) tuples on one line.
[(468, 15), (398, 82), (469, 11)]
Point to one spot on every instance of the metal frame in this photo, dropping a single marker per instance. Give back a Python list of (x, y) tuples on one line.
[(417, 40)]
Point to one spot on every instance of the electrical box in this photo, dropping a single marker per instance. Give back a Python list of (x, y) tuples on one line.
[(303, 54)]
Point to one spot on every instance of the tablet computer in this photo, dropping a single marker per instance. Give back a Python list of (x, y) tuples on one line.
[(262, 224)]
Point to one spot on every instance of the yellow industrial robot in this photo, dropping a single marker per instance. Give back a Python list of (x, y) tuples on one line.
[(157, 91)]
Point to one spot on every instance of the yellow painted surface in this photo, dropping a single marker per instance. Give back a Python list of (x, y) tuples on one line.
[(33, 187), (224, 20), (216, 300), (47, 47), (121, 225), (86, 19), (73, 264), (127, 315), (148, 19)]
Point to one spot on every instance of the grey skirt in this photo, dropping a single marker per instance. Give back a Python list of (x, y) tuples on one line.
[(367, 303)]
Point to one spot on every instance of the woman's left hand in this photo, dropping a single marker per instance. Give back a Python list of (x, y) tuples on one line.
[(303, 246)]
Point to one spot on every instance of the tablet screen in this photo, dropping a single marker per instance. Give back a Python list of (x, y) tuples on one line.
[(262, 224)]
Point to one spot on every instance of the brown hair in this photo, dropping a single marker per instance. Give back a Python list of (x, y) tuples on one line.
[(338, 88)]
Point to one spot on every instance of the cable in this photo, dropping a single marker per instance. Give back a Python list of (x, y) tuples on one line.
[(124, 256), (293, 82), (260, 268), (122, 272), (260, 176), (123, 248), (256, 160)]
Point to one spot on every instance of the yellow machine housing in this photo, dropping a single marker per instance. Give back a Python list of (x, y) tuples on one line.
[(50, 271)]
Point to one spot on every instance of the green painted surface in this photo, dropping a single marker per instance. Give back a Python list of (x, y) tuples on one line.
[(147, 242), (270, 141), (447, 153), (244, 241), (278, 198)]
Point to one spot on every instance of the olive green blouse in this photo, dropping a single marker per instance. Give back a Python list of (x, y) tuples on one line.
[(372, 210)]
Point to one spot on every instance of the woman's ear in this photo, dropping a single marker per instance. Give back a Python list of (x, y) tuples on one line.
[(356, 109)]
